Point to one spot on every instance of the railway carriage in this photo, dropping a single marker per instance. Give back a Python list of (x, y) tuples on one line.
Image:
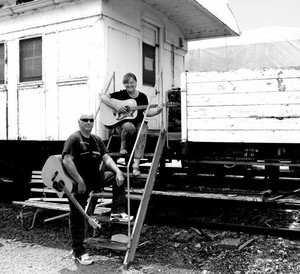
[(240, 104), (57, 56)]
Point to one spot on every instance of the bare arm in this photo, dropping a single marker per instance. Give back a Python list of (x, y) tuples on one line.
[(109, 162), (152, 112), (72, 170), (107, 101)]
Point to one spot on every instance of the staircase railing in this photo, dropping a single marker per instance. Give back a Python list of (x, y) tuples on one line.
[(140, 217), (132, 153), (128, 177), (134, 236), (111, 80)]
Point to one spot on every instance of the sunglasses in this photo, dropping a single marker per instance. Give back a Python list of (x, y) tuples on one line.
[(87, 120)]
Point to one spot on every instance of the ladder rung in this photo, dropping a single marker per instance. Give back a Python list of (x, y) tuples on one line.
[(106, 219), (105, 243), (109, 195), (118, 154), (44, 190)]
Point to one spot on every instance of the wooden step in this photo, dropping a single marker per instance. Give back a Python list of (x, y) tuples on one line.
[(106, 219), (44, 205), (108, 194), (105, 243), (116, 154), (43, 190), (151, 132)]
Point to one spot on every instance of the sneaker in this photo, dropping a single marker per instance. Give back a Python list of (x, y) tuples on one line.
[(136, 171), (84, 259), (123, 151), (120, 217)]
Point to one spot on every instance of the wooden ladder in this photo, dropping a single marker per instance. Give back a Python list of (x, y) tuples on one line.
[(140, 217), (134, 234)]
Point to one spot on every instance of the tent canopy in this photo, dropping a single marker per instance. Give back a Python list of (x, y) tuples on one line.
[(261, 48)]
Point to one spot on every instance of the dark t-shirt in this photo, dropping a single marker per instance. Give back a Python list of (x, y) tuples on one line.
[(87, 153), (141, 100)]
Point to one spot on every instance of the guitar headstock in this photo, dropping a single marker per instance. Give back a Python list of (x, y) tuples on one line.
[(94, 223), (172, 104)]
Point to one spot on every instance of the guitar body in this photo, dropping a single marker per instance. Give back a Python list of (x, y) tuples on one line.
[(54, 172), (109, 117), (55, 177)]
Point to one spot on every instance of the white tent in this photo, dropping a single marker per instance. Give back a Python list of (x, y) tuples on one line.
[(261, 48)]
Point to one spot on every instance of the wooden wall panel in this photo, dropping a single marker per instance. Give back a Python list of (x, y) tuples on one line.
[(260, 106)]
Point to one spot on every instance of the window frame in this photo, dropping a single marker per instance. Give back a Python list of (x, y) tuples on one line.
[(35, 57), (2, 64), (149, 76)]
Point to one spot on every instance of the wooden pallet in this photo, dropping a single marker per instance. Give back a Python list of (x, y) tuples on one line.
[(45, 198)]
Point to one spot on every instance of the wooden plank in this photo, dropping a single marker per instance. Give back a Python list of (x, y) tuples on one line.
[(106, 219), (245, 136), (241, 162), (44, 205), (258, 105), (250, 198), (244, 99), (42, 190), (251, 124), (37, 172), (243, 86), (146, 192), (109, 194), (37, 181), (259, 111), (105, 243), (60, 200), (243, 74)]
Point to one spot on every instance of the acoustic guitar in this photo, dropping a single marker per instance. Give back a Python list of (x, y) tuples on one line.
[(55, 177), (109, 117)]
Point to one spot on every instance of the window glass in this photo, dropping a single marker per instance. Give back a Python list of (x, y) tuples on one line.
[(31, 59), (1, 63), (148, 65)]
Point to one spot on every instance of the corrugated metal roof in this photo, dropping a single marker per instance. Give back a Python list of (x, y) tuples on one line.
[(197, 19)]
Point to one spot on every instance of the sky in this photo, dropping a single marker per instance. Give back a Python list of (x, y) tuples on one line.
[(259, 20), (253, 14)]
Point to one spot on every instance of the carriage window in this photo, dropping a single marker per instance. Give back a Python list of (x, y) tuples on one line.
[(148, 65), (31, 59), (18, 2), (1, 63)]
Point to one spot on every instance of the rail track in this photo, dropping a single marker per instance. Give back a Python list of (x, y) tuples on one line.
[(230, 202)]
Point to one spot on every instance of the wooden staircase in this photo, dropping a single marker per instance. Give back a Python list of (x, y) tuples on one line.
[(145, 182)]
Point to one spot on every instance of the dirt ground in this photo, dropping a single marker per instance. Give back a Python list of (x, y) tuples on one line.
[(163, 249)]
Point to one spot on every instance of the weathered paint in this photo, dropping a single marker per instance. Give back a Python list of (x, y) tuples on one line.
[(254, 106), (84, 43)]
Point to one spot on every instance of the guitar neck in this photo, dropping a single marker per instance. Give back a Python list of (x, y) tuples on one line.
[(74, 201), (143, 107), (90, 220)]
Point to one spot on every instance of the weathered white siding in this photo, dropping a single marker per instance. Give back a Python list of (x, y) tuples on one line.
[(47, 109), (125, 35), (83, 44), (260, 106), (2, 114)]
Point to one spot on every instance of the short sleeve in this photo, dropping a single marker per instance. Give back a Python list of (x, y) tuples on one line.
[(71, 146)]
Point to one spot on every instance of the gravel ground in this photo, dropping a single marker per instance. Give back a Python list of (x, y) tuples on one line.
[(163, 249)]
